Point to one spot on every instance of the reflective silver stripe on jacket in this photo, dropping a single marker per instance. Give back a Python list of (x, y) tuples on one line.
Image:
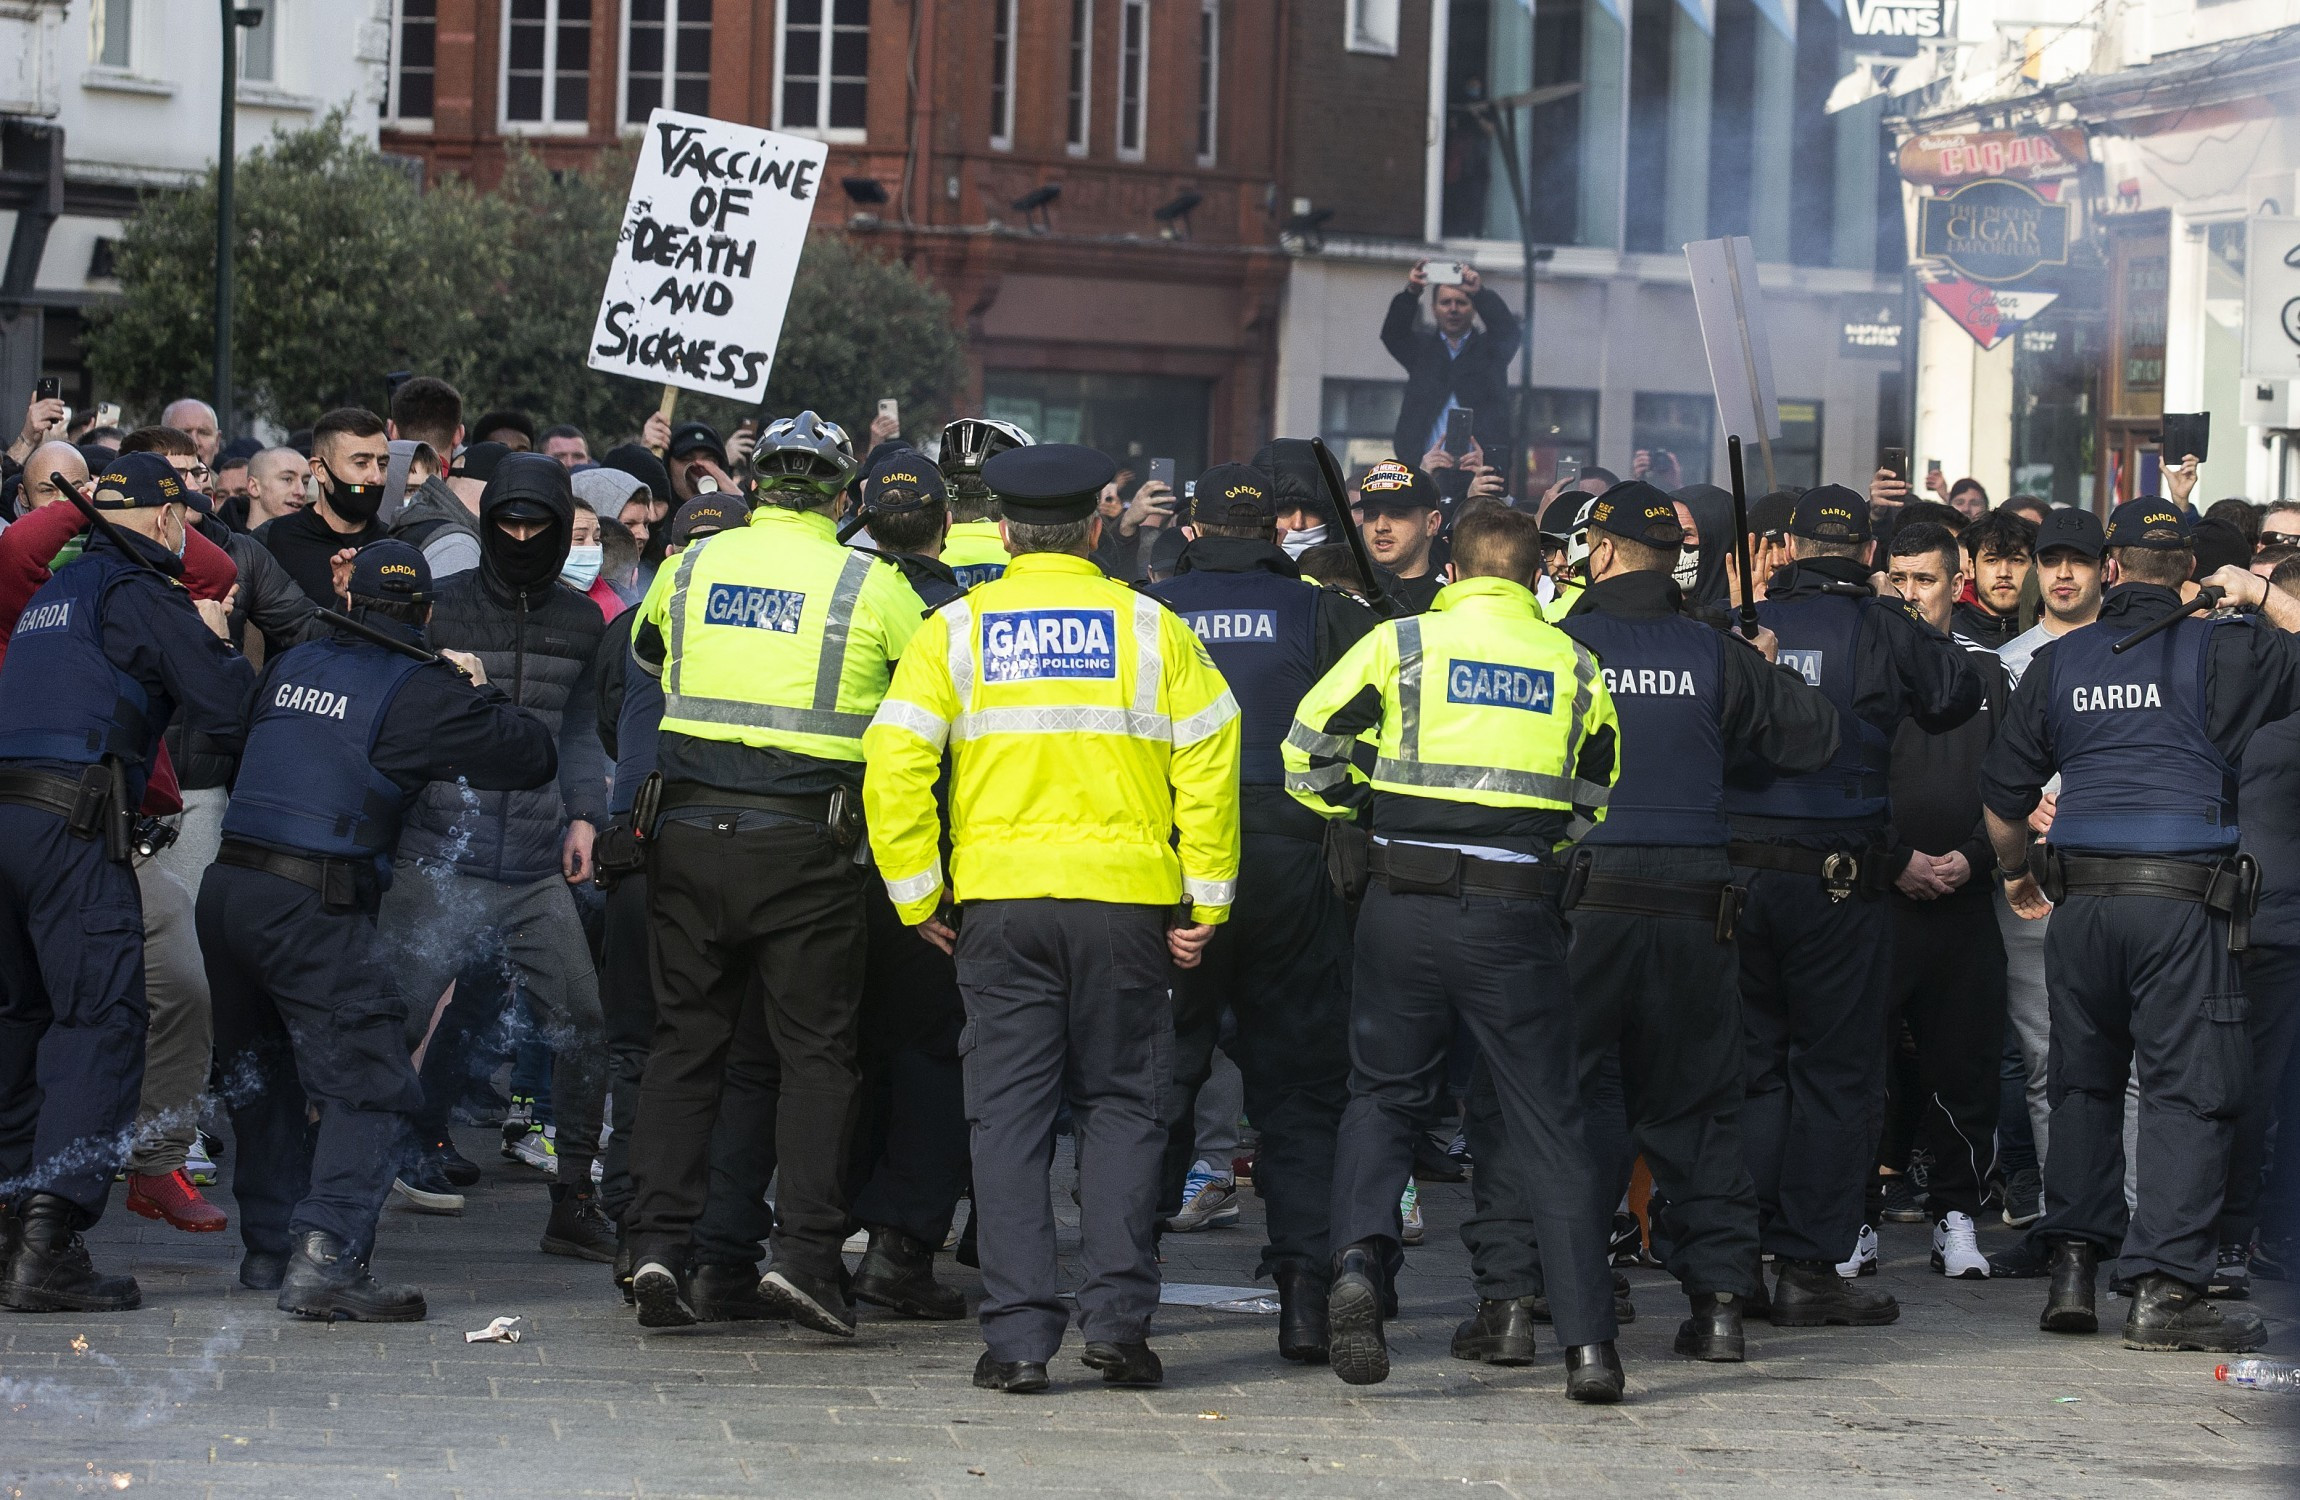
[(958, 620), (1318, 780), (1410, 688), (764, 716), (1310, 742), (830, 670), (917, 888), (903, 714), (1210, 892), (1566, 789), (1149, 662), (1062, 718), (1206, 721), (678, 612)]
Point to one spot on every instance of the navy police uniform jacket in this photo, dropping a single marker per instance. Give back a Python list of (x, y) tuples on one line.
[(1879, 665), (104, 656), (2149, 745), (343, 734), (1683, 692), (1273, 635)]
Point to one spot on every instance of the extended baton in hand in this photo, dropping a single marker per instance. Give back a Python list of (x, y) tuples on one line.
[(2207, 598)]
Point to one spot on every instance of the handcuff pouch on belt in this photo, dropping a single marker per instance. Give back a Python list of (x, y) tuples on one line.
[(844, 815), (100, 809), (1347, 848), (1421, 869), (2230, 888), (1840, 875)]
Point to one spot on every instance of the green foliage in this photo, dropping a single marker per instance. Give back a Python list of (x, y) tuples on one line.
[(346, 270)]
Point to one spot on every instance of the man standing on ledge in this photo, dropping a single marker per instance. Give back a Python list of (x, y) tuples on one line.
[(1086, 728)]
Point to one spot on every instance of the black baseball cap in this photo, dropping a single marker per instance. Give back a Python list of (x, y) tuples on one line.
[(479, 460), (1557, 521), (706, 514), (1830, 513), (1234, 495), (1771, 514), (1638, 512), (2150, 521), (904, 480), (2071, 529), (1394, 488), (1047, 484), (133, 481), (391, 571)]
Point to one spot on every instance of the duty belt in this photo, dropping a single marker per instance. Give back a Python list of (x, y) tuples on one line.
[(835, 809), (2230, 887), (93, 806), (336, 880), (1426, 869), (1841, 872), (42, 789), (1715, 902)]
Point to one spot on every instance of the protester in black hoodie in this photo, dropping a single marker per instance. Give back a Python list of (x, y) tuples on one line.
[(488, 873)]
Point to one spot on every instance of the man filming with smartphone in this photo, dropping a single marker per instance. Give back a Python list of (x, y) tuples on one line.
[(1456, 363)]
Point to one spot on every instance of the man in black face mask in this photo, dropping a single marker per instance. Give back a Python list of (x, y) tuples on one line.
[(487, 874), (349, 453)]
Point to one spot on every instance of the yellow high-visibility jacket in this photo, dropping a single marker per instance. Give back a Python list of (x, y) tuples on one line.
[(975, 552), (776, 636), (1479, 701), (1086, 728)]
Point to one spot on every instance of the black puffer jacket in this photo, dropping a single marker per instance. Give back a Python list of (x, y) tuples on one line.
[(539, 640)]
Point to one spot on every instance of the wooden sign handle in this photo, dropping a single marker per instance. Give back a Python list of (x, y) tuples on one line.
[(667, 408)]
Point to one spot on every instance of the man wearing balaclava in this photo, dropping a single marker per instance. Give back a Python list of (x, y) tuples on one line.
[(349, 457), (496, 868)]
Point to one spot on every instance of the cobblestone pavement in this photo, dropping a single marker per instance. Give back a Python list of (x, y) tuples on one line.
[(210, 1391)]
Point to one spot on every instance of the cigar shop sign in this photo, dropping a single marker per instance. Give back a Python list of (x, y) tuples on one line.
[(1994, 230)]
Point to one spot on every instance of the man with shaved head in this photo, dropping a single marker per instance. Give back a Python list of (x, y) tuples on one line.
[(276, 485), (45, 461), (196, 420)]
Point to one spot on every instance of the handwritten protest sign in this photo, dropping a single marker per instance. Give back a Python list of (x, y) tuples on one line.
[(703, 265)]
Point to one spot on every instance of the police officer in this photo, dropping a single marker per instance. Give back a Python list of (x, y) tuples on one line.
[(973, 551), (1493, 731), (1816, 936), (342, 734), (1652, 909), (909, 1164), (774, 645), (1287, 978), (1093, 785), (103, 656), (2151, 906)]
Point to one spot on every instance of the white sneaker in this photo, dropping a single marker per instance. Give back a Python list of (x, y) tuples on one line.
[(539, 1148), (1410, 1214), (1209, 1201), (1864, 1261), (200, 1161), (426, 1201), (1956, 1253)]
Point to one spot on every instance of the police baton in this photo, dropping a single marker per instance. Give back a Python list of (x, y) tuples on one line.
[(1331, 472), (1749, 625), (2207, 598), (861, 519), (383, 638)]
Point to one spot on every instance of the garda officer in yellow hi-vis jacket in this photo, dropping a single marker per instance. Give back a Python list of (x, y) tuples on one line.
[(774, 644), (1491, 731), (1093, 786)]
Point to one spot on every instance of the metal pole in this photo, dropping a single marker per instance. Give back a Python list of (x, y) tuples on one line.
[(224, 155), (1505, 138)]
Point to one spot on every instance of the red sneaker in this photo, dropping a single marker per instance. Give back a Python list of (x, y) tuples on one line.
[(174, 1199)]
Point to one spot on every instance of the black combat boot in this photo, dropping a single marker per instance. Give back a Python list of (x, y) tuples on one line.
[(263, 1270), (1124, 1364), (1498, 1333), (898, 1272), (1354, 1342), (2168, 1314), (1811, 1295), (1714, 1331), (1301, 1312), (50, 1270), (326, 1281), (728, 1294), (577, 1228), (2075, 1270), (1593, 1374), (1018, 1377)]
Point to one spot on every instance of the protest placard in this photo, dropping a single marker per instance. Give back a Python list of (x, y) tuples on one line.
[(703, 265)]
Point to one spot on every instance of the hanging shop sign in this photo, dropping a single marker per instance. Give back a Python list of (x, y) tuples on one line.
[(1869, 327), (1990, 314), (2040, 156), (1993, 230)]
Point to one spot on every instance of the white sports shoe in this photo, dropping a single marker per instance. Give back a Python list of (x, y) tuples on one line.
[(1956, 1253), (539, 1148), (1864, 1261)]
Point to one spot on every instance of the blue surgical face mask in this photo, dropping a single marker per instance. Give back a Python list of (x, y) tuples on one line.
[(581, 569)]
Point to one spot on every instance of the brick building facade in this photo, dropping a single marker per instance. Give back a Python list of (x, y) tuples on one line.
[(1137, 306)]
